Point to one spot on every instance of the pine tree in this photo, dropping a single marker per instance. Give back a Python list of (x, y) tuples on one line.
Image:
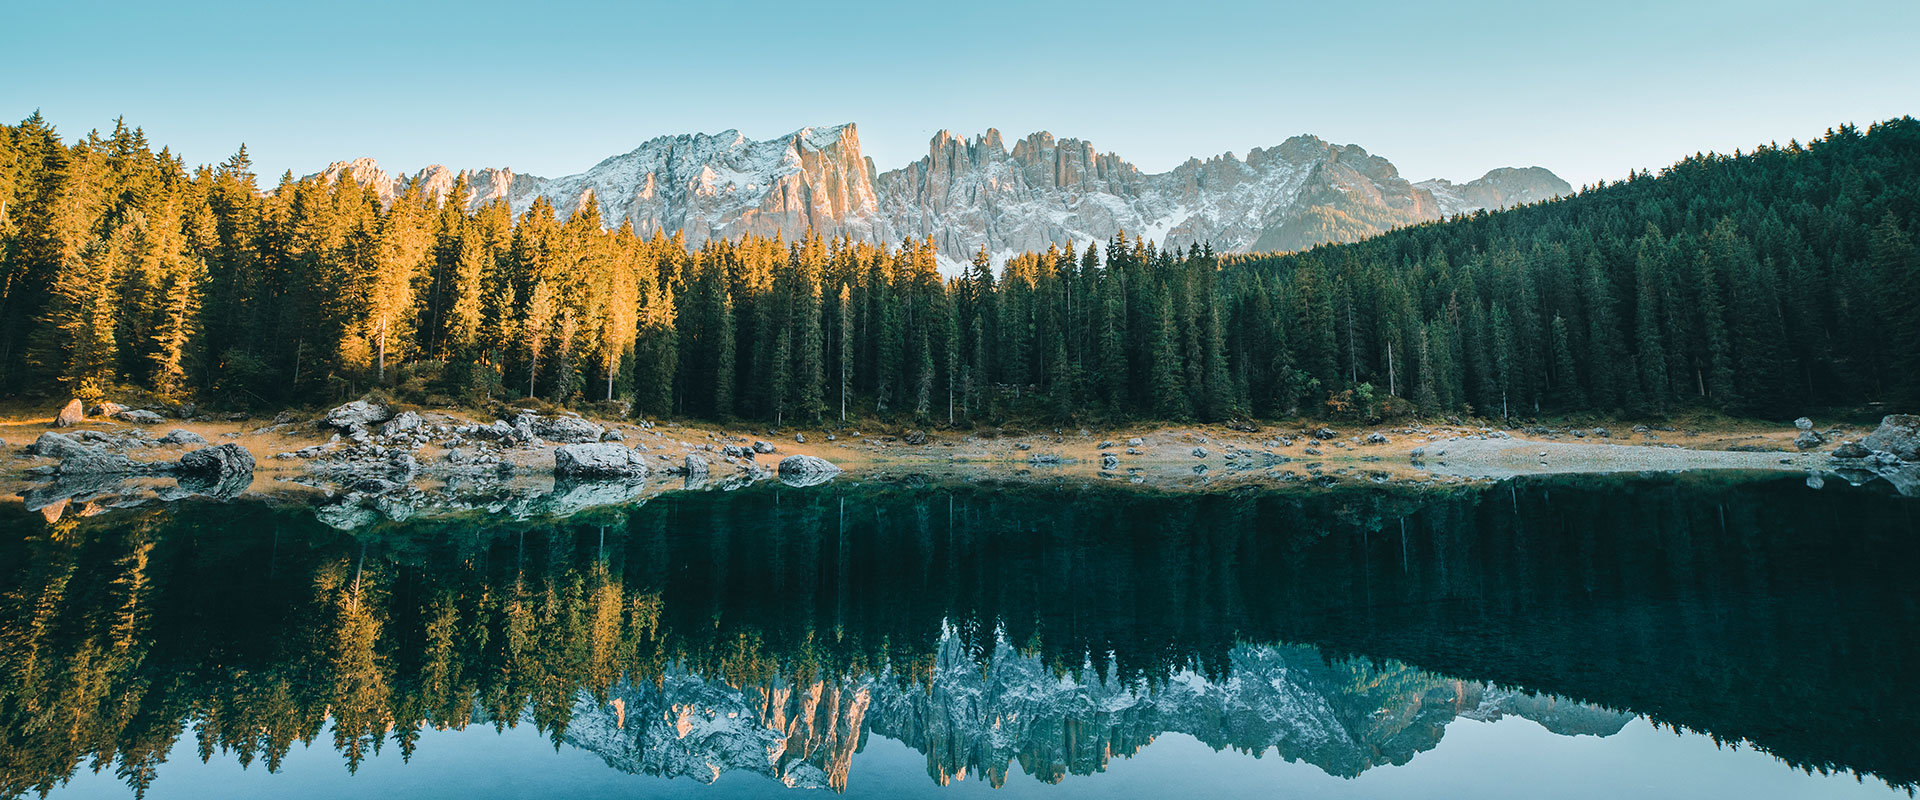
[(535, 327)]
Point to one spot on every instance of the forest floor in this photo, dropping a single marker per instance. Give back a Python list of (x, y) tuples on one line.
[(1172, 457)]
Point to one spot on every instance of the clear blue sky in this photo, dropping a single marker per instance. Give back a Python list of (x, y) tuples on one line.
[(1589, 90)]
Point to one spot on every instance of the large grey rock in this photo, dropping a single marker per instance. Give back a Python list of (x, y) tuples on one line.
[(182, 436), (1898, 434), (1808, 440), (696, 467), (564, 428), (55, 445), (359, 415), (1803, 423), (762, 447), (598, 460), (107, 408), (219, 461), (1109, 461), (140, 416), (801, 466), (72, 414), (1851, 450)]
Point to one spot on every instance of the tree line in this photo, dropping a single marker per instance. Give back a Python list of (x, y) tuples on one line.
[(1756, 283)]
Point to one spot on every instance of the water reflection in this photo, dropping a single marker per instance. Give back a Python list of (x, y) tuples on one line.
[(772, 630)]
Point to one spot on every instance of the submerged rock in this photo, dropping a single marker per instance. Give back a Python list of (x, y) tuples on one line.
[(599, 460)]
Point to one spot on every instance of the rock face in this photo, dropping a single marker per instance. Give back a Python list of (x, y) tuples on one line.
[(72, 414), (1898, 434), (220, 461), (969, 193), (598, 460)]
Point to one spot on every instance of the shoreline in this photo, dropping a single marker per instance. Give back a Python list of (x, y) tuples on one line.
[(300, 455)]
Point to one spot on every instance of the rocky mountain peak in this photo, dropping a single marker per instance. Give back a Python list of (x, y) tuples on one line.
[(969, 192)]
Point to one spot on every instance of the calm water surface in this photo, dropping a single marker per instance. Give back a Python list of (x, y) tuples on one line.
[(1676, 636)]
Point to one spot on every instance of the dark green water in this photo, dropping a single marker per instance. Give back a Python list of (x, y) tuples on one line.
[(1680, 636)]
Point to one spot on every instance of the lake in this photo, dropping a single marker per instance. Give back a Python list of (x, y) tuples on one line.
[(1655, 636)]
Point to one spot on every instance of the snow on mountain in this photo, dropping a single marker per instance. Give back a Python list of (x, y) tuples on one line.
[(1496, 190), (968, 193)]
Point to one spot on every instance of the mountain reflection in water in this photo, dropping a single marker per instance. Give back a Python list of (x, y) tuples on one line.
[(772, 630)]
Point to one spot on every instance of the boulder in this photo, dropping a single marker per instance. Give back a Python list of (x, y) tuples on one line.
[(565, 428), (219, 461), (182, 436), (359, 414), (598, 460), (73, 414), (1199, 452), (1109, 461), (1376, 438), (107, 408), (1851, 450), (54, 445), (696, 467), (762, 447), (1803, 423), (1808, 440), (806, 470), (1325, 434), (799, 438), (1135, 442), (916, 437), (140, 416), (1898, 434)]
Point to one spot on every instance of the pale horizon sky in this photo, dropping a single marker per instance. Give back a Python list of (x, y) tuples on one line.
[(1442, 90)]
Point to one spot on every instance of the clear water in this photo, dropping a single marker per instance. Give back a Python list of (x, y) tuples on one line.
[(1673, 636)]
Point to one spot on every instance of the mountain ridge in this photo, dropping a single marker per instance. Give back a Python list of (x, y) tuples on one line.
[(967, 193)]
